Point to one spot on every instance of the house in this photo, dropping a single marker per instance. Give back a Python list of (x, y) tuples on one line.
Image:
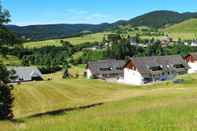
[(133, 41), (141, 70), (194, 43), (24, 74), (105, 69), (166, 40), (191, 59)]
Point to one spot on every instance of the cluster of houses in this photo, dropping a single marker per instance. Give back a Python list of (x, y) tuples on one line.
[(134, 71), (142, 70)]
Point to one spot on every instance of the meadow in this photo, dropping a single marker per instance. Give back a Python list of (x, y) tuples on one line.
[(161, 106), (97, 37), (185, 30)]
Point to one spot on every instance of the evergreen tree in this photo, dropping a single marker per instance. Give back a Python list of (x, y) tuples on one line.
[(6, 97)]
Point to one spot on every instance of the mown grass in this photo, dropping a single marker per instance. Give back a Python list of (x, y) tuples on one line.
[(10, 60), (162, 106), (97, 37)]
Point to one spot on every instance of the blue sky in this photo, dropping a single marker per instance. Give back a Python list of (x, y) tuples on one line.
[(28, 12)]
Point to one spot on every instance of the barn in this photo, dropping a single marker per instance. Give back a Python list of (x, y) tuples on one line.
[(191, 59), (24, 74), (141, 70)]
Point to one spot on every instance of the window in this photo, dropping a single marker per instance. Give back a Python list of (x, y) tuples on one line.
[(156, 68), (179, 66), (106, 69), (119, 68)]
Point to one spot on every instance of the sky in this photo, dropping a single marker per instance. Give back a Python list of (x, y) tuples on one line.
[(30, 12)]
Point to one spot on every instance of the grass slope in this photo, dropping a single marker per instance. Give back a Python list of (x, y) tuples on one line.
[(164, 106), (183, 30), (97, 37), (188, 26)]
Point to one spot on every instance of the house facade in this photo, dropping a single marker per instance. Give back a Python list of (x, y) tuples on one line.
[(105, 69), (24, 74), (142, 70), (194, 43), (191, 59)]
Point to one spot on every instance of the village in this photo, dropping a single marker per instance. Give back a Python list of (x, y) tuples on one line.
[(134, 71)]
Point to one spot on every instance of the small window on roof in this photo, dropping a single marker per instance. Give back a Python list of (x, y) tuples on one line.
[(156, 68), (179, 66), (106, 69)]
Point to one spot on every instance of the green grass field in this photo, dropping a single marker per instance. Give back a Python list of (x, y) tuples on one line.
[(97, 37), (162, 107), (183, 30), (10, 60), (188, 26)]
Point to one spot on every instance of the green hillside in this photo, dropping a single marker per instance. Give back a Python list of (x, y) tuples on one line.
[(189, 26), (97, 37), (165, 106), (183, 30)]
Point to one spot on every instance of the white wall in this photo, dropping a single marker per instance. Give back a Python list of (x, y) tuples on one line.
[(88, 74), (132, 77), (193, 44), (193, 67)]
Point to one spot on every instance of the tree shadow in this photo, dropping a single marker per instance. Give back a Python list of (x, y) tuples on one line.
[(62, 111)]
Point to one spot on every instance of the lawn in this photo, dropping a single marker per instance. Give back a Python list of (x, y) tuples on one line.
[(164, 106), (97, 37)]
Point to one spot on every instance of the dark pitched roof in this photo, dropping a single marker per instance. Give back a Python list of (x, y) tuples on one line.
[(104, 67), (167, 63)]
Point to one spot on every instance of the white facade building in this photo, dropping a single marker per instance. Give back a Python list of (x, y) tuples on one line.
[(191, 59), (142, 70)]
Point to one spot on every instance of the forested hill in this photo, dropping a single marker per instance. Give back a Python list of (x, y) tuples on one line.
[(53, 31), (156, 19)]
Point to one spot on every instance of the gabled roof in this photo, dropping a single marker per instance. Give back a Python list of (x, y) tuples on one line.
[(109, 66), (143, 64), (25, 73)]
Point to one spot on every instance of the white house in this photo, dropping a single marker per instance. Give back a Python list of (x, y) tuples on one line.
[(194, 44), (133, 41), (191, 59), (142, 70)]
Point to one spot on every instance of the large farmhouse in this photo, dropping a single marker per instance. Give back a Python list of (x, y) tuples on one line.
[(191, 59), (105, 69), (23, 74), (141, 70)]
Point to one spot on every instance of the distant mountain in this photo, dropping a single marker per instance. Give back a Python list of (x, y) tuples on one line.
[(156, 19), (53, 31), (188, 26)]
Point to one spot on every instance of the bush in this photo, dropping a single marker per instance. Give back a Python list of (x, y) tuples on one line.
[(48, 70)]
